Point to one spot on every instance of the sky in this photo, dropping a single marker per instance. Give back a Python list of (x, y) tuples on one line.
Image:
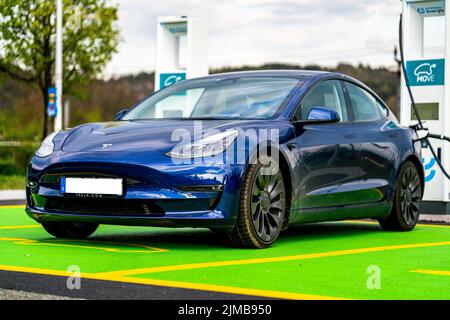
[(322, 32)]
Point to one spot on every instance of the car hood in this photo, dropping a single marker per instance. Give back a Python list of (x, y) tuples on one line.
[(146, 135)]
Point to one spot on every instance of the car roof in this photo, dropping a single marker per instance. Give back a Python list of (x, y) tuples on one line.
[(301, 74)]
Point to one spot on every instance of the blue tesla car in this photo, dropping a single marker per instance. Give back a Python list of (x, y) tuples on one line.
[(245, 154)]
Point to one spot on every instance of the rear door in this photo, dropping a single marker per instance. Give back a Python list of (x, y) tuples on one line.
[(378, 140), (326, 153)]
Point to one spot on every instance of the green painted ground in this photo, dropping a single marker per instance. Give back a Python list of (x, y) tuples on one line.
[(115, 248)]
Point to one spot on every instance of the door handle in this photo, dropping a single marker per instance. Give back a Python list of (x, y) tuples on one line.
[(349, 135), (393, 135), (291, 146)]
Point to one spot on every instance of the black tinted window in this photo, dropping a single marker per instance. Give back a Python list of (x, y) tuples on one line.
[(365, 105)]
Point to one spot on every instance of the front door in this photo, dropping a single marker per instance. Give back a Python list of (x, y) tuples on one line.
[(326, 153)]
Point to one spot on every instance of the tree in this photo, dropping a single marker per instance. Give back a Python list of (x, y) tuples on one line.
[(27, 42)]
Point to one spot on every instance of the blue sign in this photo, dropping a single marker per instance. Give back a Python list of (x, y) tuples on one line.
[(437, 8), (62, 187), (168, 79), (51, 102), (425, 72)]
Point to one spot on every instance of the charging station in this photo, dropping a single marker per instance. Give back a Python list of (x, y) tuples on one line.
[(428, 71), (182, 53)]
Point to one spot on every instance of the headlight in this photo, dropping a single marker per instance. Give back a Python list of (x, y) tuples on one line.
[(47, 146), (209, 146)]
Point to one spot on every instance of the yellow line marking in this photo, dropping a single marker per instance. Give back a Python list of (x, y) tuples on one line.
[(433, 225), (23, 241), (177, 284), (14, 206), (434, 272), (270, 260), (20, 227), (354, 221), (223, 289), (40, 271), (373, 222)]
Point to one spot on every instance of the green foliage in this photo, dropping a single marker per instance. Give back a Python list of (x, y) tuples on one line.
[(12, 182), (27, 40), (27, 33), (14, 160)]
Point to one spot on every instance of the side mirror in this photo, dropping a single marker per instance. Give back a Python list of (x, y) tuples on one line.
[(319, 115), (120, 114)]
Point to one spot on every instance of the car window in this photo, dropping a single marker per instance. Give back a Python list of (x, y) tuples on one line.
[(245, 97), (176, 105), (328, 94), (365, 106), (255, 97)]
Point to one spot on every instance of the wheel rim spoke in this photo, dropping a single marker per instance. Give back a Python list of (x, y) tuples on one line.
[(273, 180), (256, 191), (267, 204), (275, 218), (279, 205), (410, 196), (256, 208), (279, 188), (257, 220)]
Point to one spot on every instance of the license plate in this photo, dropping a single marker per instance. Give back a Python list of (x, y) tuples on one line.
[(92, 186)]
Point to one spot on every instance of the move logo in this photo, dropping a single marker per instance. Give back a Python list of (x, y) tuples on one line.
[(430, 173), (425, 72)]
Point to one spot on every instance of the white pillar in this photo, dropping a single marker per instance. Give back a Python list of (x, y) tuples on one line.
[(59, 65), (446, 126)]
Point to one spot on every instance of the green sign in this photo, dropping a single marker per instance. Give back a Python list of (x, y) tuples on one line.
[(168, 79), (425, 72)]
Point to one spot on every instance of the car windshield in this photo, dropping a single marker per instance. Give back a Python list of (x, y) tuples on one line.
[(241, 98)]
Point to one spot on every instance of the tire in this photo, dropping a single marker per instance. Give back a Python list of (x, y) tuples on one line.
[(70, 230), (407, 200), (262, 208)]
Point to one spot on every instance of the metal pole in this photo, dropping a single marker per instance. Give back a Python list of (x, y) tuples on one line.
[(66, 113), (59, 65)]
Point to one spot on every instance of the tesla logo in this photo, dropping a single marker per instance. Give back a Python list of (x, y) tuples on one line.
[(430, 173), (106, 145)]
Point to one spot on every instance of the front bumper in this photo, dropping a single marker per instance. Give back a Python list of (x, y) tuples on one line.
[(157, 194)]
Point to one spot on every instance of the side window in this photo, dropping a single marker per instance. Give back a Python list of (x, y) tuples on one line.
[(365, 105), (328, 94)]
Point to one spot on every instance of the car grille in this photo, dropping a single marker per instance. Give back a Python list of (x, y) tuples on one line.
[(104, 206)]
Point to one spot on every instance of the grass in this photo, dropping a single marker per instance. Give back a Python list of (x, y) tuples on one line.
[(12, 182)]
